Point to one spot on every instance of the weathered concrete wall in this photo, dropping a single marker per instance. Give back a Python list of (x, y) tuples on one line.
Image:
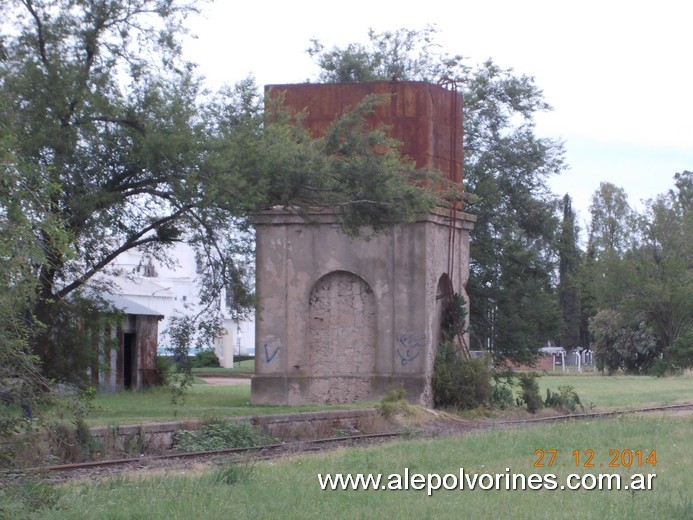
[(343, 319), (156, 438)]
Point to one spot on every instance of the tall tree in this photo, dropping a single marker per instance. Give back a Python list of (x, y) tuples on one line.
[(611, 234), (116, 145), (662, 290), (641, 278), (506, 167), (612, 227), (20, 375), (568, 272)]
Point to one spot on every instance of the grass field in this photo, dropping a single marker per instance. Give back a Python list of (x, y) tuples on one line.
[(200, 401), (247, 366), (289, 488), (204, 401), (607, 392)]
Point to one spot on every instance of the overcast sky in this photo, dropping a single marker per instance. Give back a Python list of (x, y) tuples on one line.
[(618, 73)]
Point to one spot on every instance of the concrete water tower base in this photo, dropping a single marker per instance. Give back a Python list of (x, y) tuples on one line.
[(342, 319)]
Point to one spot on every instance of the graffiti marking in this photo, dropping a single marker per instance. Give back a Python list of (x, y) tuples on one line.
[(410, 347), (269, 357)]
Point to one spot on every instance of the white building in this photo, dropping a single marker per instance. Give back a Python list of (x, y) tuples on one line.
[(172, 291)]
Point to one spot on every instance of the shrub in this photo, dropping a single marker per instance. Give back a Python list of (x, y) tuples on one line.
[(502, 389), (454, 318), (619, 345), (163, 370), (676, 358), (566, 399), (205, 358), (460, 383), (73, 442), (501, 396), (529, 393)]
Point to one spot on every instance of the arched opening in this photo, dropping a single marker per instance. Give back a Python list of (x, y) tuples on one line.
[(341, 338), (444, 294)]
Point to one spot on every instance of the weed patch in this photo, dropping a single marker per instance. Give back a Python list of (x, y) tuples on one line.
[(394, 403), (565, 400), (219, 436)]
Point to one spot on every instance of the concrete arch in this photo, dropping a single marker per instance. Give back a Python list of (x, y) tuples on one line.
[(444, 292), (341, 337)]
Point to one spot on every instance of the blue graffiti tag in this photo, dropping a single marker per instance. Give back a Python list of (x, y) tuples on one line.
[(410, 347), (269, 357)]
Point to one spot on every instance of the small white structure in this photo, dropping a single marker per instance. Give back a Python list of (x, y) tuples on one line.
[(174, 290), (582, 357)]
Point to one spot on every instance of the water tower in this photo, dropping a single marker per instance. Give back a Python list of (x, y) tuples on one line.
[(343, 319)]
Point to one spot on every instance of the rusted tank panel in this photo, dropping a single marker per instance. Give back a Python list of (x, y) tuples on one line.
[(425, 118)]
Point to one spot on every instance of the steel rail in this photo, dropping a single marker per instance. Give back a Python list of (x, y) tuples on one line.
[(287, 446)]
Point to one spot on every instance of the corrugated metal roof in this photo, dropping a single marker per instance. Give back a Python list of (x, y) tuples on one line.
[(143, 287), (130, 307)]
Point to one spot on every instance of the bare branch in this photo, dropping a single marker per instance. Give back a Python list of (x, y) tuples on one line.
[(133, 241), (29, 4), (131, 123)]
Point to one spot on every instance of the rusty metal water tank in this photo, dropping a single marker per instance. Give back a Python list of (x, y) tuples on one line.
[(426, 118)]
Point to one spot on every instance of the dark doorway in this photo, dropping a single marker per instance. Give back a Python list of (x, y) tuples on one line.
[(129, 350)]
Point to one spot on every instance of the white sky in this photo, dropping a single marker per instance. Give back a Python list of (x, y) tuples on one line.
[(618, 73)]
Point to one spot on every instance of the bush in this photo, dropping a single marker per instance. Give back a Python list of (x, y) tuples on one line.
[(163, 370), (502, 389), (501, 396), (460, 383), (566, 399), (529, 393), (205, 358), (73, 442), (676, 358), (619, 345)]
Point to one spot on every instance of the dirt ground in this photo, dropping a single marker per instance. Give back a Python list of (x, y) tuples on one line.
[(226, 381)]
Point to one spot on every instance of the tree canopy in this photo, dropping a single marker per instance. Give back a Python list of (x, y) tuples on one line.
[(628, 296), (506, 165), (110, 142), (640, 282)]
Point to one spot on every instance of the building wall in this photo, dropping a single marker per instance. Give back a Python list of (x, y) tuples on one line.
[(146, 335), (342, 319), (170, 290), (141, 368)]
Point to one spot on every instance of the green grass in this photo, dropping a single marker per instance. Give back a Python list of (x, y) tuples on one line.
[(200, 401), (610, 392), (289, 488), (206, 401), (246, 366)]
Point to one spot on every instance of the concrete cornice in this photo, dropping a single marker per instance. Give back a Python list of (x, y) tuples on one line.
[(280, 215)]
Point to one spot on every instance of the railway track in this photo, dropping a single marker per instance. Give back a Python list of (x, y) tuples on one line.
[(95, 469), (597, 415)]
